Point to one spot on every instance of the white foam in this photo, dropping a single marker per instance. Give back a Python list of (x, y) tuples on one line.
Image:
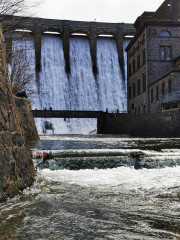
[(118, 178)]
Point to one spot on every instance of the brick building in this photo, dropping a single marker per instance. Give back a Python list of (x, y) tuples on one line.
[(154, 61)]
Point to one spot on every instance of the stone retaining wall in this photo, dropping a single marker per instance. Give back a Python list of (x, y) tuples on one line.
[(16, 166), (26, 119), (162, 124)]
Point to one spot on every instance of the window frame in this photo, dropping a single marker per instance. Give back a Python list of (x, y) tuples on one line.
[(165, 34), (152, 95), (134, 90), (144, 56), (138, 61), (157, 93), (139, 87), (134, 66), (170, 85), (163, 53), (144, 83), (163, 89), (129, 92)]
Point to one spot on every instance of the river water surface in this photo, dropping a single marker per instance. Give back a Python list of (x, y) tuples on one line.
[(91, 190)]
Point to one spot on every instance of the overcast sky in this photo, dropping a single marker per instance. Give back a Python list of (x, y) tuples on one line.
[(99, 10)]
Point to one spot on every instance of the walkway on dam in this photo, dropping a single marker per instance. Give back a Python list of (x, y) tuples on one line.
[(72, 114), (67, 114)]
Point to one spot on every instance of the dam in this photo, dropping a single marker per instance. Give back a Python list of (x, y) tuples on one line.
[(77, 66)]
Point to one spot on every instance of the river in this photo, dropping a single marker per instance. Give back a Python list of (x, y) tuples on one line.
[(91, 190)]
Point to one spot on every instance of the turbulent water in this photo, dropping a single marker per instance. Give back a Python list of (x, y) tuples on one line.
[(91, 188), (79, 90), (99, 203)]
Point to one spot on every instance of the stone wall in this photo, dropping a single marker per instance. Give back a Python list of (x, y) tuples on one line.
[(161, 44), (16, 166), (162, 124), (26, 119), (137, 99)]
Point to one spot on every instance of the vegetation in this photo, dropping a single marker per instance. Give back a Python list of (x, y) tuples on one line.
[(20, 65)]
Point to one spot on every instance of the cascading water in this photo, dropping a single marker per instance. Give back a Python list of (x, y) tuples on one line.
[(95, 200), (112, 94), (81, 90)]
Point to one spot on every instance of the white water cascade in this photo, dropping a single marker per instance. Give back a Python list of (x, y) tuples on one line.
[(80, 90)]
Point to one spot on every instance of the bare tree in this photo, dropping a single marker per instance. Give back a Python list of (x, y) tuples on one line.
[(11, 8), (21, 73), (20, 69)]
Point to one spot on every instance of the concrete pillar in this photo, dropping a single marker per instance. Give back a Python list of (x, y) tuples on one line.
[(93, 47), (37, 42), (66, 39), (119, 41)]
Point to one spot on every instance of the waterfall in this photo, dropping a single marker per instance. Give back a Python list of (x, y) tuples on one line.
[(80, 90), (112, 91)]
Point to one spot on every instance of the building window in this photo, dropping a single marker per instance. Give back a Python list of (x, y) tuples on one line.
[(170, 86), (165, 34), (138, 61), (134, 66), (152, 95), (129, 92), (139, 110), (157, 93), (134, 90), (144, 56), (144, 83), (129, 69), (139, 87), (165, 53), (163, 88), (144, 109), (132, 106)]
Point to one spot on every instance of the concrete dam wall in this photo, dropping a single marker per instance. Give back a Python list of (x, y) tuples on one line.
[(66, 28), (74, 71)]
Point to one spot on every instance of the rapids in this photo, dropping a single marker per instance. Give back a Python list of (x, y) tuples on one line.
[(99, 203)]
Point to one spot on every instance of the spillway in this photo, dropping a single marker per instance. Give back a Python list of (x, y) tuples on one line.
[(81, 89)]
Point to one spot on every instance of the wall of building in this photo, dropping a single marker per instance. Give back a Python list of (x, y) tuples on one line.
[(156, 67), (137, 104), (162, 124), (162, 99)]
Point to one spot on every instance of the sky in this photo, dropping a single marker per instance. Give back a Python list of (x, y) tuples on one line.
[(116, 11)]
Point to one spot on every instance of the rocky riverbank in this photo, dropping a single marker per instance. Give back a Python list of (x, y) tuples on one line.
[(16, 128)]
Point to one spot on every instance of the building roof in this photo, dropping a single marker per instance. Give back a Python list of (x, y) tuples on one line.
[(176, 59), (165, 75), (161, 15)]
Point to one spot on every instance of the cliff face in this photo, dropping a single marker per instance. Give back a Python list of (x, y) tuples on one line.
[(16, 166)]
